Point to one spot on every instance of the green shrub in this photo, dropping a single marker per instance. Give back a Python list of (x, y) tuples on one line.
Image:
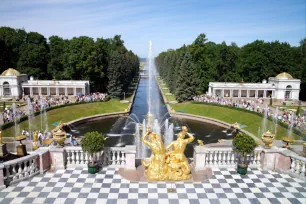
[(244, 144), (93, 142)]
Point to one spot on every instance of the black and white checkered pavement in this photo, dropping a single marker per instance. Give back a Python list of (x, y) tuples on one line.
[(226, 186)]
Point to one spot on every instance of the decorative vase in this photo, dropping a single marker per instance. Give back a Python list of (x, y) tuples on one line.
[(268, 139), (59, 137)]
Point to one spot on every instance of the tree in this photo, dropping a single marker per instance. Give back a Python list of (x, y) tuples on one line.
[(187, 80), (115, 75)]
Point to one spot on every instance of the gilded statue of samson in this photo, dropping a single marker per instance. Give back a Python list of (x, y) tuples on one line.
[(170, 165)]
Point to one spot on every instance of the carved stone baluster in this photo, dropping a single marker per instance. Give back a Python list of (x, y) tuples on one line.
[(211, 158), (14, 173), (216, 158), (298, 168), (220, 161), (123, 158), (69, 158), (228, 158), (113, 157), (233, 158), (83, 157), (293, 164), (118, 158), (224, 158), (26, 169), (303, 168)]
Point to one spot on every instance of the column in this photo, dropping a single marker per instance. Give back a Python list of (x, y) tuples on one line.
[(239, 93), (74, 91), (57, 91), (31, 91), (248, 93), (83, 91), (39, 91), (214, 93), (256, 93), (222, 93), (209, 91), (231, 93), (66, 92), (265, 94)]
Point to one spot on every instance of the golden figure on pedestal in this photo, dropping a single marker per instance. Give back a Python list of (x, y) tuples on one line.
[(170, 165)]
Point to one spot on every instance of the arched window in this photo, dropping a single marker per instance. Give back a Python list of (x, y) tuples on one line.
[(288, 92), (6, 89)]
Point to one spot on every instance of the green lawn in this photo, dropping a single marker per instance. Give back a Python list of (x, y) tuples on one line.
[(70, 113), (170, 98), (231, 116)]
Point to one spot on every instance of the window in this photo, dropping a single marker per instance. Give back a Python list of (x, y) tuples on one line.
[(288, 92), (6, 89)]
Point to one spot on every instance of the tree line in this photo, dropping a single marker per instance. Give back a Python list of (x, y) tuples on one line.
[(188, 70), (107, 63)]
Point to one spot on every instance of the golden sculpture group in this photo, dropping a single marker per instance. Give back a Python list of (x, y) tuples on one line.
[(170, 163)]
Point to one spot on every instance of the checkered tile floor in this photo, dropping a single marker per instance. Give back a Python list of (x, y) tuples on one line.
[(226, 186)]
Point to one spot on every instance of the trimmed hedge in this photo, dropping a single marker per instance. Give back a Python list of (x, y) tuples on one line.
[(282, 124), (25, 117)]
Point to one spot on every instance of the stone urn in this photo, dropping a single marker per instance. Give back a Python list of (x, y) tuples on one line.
[(268, 139), (59, 137)]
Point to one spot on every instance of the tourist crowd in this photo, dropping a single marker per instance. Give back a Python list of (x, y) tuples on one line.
[(41, 103), (289, 117)]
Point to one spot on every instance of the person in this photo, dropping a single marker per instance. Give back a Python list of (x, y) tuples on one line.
[(40, 137)]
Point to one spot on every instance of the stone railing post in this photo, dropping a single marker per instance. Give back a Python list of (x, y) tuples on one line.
[(130, 157), (44, 159), (2, 186), (57, 158), (272, 159), (199, 157)]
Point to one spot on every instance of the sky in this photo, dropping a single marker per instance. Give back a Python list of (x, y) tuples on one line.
[(168, 24)]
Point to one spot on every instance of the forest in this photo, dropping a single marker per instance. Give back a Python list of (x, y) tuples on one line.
[(188, 70), (107, 63)]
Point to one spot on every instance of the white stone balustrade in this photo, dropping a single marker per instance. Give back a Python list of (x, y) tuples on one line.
[(20, 169), (222, 157), (114, 156), (76, 157)]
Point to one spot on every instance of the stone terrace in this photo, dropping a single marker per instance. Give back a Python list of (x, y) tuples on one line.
[(75, 185)]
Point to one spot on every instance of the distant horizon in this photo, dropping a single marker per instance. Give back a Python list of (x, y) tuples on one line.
[(169, 24)]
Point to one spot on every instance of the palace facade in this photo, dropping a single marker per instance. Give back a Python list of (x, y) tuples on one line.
[(15, 84), (283, 87)]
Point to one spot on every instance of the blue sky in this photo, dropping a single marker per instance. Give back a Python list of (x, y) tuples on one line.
[(169, 24)]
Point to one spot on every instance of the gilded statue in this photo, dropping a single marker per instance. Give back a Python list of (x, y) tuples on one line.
[(35, 141), (179, 168), (171, 164), (156, 168)]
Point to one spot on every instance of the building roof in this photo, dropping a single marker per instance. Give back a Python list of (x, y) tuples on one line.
[(284, 75), (10, 72)]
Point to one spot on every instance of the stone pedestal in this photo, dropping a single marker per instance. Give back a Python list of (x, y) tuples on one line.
[(199, 155), (273, 159), (3, 150), (130, 157), (57, 158), (2, 186), (44, 159)]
